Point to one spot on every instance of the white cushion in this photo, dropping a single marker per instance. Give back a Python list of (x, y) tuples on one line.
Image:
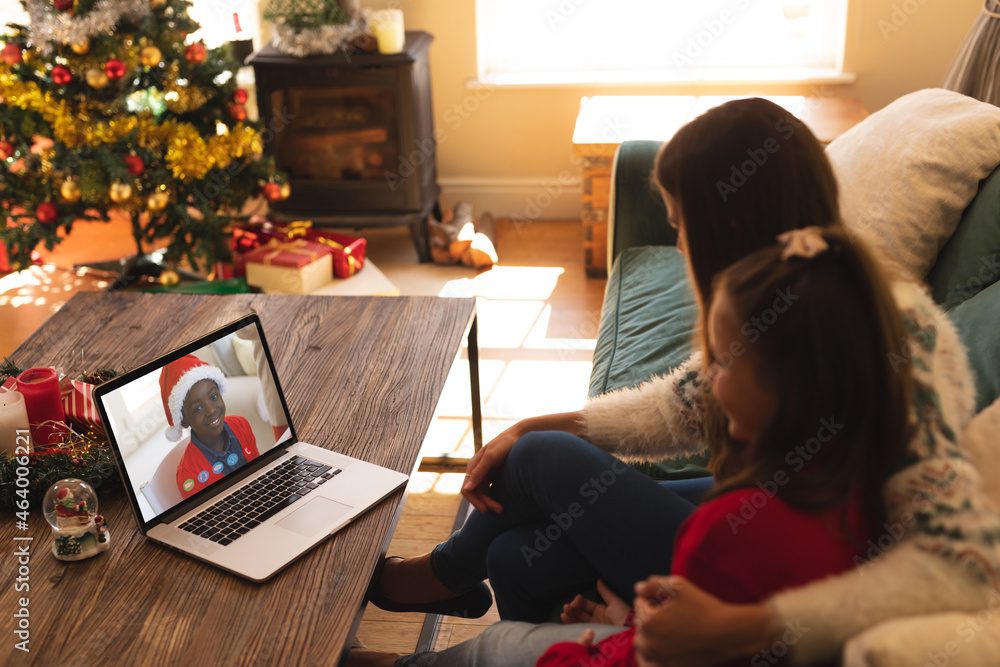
[(953, 639), (908, 171)]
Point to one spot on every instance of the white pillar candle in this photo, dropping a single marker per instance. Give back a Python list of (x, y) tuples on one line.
[(387, 27), (13, 418)]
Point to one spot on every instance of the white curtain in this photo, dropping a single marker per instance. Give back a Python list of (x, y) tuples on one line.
[(976, 70)]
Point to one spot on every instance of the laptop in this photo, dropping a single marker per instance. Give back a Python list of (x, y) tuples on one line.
[(211, 463)]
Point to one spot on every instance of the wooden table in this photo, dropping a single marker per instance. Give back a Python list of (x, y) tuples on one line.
[(605, 122), (362, 375)]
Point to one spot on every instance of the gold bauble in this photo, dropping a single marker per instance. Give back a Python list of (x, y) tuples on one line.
[(150, 56), (156, 4), (120, 192), (157, 201), (96, 78), (70, 192), (285, 191), (82, 47), (169, 277)]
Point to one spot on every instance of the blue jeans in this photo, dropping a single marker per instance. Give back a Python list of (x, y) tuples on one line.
[(572, 513)]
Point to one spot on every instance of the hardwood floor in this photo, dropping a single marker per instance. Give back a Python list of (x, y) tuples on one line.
[(538, 318)]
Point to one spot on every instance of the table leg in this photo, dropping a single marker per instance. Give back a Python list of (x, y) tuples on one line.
[(477, 403), (443, 464)]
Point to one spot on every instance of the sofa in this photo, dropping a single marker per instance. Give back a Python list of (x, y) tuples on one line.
[(931, 160)]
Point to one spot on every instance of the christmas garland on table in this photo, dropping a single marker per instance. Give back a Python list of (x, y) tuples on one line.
[(85, 454)]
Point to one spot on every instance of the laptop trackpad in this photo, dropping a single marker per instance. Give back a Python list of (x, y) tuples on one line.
[(314, 515)]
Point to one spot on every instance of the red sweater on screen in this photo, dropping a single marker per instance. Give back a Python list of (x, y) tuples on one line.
[(741, 547), (194, 473)]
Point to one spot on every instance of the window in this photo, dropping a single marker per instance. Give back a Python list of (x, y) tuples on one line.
[(620, 41), (217, 20), (215, 17), (11, 12)]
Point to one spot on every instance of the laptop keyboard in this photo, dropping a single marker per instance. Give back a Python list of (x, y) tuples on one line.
[(235, 515)]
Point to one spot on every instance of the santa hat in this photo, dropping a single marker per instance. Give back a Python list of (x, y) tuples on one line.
[(176, 380)]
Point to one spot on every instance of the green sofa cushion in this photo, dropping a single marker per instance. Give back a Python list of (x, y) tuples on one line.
[(648, 318), (970, 260), (978, 322), (647, 326)]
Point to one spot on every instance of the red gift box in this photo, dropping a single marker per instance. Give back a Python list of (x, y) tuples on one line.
[(348, 251), (296, 267), (78, 403)]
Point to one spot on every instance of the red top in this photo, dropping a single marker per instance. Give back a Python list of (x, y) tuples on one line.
[(194, 472), (742, 547)]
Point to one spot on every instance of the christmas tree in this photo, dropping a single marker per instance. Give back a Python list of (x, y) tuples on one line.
[(105, 107)]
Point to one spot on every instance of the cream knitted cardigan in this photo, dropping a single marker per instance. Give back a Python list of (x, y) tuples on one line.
[(941, 547)]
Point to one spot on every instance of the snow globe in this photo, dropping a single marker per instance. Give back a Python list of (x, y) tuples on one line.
[(78, 531)]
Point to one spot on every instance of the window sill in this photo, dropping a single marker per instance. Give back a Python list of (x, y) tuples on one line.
[(669, 79)]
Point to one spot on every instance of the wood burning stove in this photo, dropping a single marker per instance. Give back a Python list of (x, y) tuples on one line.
[(355, 133)]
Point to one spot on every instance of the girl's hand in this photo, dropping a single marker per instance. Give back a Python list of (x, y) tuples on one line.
[(678, 624), (586, 640), (582, 610)]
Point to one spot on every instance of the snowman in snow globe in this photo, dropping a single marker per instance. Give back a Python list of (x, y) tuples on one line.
[(78, 531)]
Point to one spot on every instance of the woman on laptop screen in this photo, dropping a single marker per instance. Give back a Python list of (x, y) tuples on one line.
[(192, 393)]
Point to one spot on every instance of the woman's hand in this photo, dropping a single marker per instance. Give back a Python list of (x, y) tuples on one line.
[(581, 610), (483, 466), (678, 624)]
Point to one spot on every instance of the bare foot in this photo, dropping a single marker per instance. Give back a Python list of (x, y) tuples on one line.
[(411, 581), (362, 657)]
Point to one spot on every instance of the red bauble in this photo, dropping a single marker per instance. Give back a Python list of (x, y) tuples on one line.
[(195, 53), (115, 69), (134, 164), (61, 75), (46, 213), (12, 54), (240, 96), (62, 5), (272, 192), (238, 112), (6, 150)]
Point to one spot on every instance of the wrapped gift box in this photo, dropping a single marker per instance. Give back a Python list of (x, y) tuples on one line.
[(348, 251), (290, 267)]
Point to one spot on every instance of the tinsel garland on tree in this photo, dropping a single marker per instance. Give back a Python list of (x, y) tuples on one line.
[(131, 119), (84, 455)]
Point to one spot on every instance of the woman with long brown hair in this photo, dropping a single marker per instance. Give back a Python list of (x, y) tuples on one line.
[(733, 179)]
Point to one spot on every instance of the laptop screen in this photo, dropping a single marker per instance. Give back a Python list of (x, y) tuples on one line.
[(181, 424)]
